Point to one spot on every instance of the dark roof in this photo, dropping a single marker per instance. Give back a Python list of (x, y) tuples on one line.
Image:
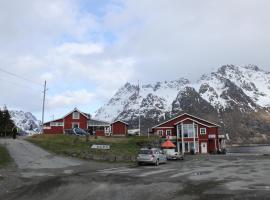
[(95, 122), (120, 121)]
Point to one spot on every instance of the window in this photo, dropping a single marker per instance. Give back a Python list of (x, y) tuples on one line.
[(189, 130), (168, 132), (202, 131), (160, 132), (188, 146), (76, 115), (56, 124)]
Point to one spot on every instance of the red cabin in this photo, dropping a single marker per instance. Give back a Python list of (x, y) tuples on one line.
[(191, 133), (76, 119), (119, 128)]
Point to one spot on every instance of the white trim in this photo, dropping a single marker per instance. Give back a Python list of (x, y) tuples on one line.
[(201, 131), (166, 132), (120, 121), (54, 120), (62, 118), (56, 124), (97, 125), (188, 115), (166, 127), (193, 121), (76, 117), (75, 109), (160, 131)]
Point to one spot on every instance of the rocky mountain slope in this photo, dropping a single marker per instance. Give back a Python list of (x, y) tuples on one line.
[(25, 120), (238, 98)]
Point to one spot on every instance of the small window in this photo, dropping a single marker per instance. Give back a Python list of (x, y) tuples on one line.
[(160, 132), (168, 132), (56, 124), (202, 131), (76, 115)]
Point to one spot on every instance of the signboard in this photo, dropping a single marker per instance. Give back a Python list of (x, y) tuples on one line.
[(221, 136), (46, 127), (100, 146), (212, 136)]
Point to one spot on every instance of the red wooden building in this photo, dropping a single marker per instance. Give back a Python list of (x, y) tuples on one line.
[(119, 128), (191, 133), (76, 119)]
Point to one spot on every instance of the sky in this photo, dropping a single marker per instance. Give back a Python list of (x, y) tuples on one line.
[(87, 49)]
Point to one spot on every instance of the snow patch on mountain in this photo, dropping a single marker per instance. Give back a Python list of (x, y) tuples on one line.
[(227, 86), (25, 120), (132, 97)]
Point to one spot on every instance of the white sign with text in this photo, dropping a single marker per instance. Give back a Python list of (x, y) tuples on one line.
[(100, 146)]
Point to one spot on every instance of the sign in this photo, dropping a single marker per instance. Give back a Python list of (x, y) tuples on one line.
[(46, 127), (221, 136), (100, 146), (212, 136)]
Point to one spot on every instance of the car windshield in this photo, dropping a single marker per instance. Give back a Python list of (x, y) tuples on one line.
[(145, 151)]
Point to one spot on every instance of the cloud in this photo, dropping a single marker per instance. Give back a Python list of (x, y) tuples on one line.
[(91, 52), (70, 98), (69, 49)]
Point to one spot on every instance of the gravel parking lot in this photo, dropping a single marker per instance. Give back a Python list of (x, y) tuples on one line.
[(197, 177)]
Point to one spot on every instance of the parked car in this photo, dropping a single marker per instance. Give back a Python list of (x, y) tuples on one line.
[(151, 156), (175, 156), (79, 132)]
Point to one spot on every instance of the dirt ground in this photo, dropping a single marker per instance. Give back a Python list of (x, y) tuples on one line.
[(197, 177)]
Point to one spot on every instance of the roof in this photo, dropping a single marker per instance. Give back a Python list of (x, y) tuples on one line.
[(96, 122), (75, 109), (120, 121), (168, 144), (185, 119)]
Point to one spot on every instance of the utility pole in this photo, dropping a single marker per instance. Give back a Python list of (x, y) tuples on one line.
[(139, 108), (43, 105)]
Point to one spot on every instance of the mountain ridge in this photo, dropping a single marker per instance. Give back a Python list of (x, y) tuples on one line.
[(230, 92)]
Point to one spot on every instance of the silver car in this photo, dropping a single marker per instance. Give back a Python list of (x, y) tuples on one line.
[(152, 156)]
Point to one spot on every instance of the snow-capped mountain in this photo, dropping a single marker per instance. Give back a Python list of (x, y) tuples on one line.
[(25, 120), (228, 95)]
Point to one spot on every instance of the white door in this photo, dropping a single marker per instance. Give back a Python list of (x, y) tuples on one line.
[(204, 147)]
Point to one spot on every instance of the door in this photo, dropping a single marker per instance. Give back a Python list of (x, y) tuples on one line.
[(204, 147)]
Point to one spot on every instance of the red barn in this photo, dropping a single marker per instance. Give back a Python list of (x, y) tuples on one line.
[(190, 133), (76, 119), (119, 128)]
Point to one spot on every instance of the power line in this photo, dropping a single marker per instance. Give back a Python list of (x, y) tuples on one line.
[(18, 76), (17, 84)]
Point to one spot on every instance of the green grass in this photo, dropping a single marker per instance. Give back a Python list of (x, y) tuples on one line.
[(77, 146), (5, 158)]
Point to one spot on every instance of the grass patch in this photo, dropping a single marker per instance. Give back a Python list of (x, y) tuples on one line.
[(5, 158), (77, 146)]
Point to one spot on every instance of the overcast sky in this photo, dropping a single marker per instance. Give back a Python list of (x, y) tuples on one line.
[(87, 49)]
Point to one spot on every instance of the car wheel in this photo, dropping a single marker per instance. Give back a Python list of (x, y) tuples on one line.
[(157, 162), (139, 163)]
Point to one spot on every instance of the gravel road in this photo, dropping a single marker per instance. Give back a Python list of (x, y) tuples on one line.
[(29, 156)]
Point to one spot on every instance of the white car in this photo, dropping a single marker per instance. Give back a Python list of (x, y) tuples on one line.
[(152, 156), (172, 155)]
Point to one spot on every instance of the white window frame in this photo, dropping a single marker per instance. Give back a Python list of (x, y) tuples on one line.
[(73, 123), (57, 124), (73, 116), (190, 127), (160, 132), (204, 131), (168, 132)]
